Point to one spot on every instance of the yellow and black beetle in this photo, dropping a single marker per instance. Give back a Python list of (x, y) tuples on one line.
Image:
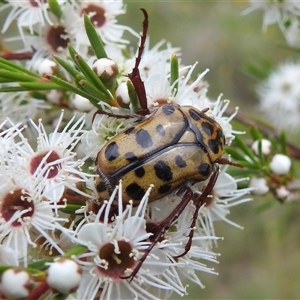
[(171, 147)]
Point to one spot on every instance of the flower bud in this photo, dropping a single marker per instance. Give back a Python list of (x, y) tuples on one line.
[(45, 66), (64, 276), (280, 164), (122, 94), (282, 193), (54, 96), (259, 186), (265, 146), (15, 284), (81, 104), (106, 69)]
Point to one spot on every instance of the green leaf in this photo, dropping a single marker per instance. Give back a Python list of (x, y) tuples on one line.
[(94, 39), (255, 133), (71, 88), (41, 265), (246, 172), (174, 73), (234, 154), (67, 66), (60, 297), (16, 76), (133, 96), (10, 66), (36, 86), (55, 8), (242, 146), (91, 76), (77, 250), (3, 268), (92, 91), (283, 143), (70, 208), (248, 164)]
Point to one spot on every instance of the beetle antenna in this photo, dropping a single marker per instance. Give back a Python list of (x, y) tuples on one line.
[(135, 76)]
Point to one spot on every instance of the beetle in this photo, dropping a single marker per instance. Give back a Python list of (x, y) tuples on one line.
[(173, 147), (170, 146)]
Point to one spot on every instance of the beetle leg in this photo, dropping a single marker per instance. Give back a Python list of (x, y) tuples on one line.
[(199, 201), (161, 229), (188, 195), (103, 112)]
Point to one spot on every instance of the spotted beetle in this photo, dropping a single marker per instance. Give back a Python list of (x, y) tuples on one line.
[(171, 147)]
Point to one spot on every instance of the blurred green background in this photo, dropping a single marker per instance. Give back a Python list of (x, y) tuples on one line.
[(263, 260)]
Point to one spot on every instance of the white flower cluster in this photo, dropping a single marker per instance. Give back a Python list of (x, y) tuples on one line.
[(279, 94), (286, 13), (279, 97), (41, 178)]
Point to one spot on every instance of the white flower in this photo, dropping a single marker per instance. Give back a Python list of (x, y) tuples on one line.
[(275, 11), (218, 109), (154, 60), (176, 238), (292, 34), (279, 97), (27, 13), (8, 256), (103, 15), (280, 164), (23, 209), (225, 194), (19, 106), (159, 90), (104, 128), (52, 164), (114, 249)]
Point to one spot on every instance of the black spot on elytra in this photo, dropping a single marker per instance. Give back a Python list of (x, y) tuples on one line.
[(130, 156), (168, 109), (135, 191), (160, 130), (204, 169), (164, 188), (112, 151), (180, 162), (101, 187), (129, 130), (163, 171), (208, 128), (195, 115), (143, 138), (139, 172), (214, 145)]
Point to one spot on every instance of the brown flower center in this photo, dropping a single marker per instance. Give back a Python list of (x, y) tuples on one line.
[(13, 202), (35, 3), (57, 38), (96, 13), (40, 162), (117, 261)]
